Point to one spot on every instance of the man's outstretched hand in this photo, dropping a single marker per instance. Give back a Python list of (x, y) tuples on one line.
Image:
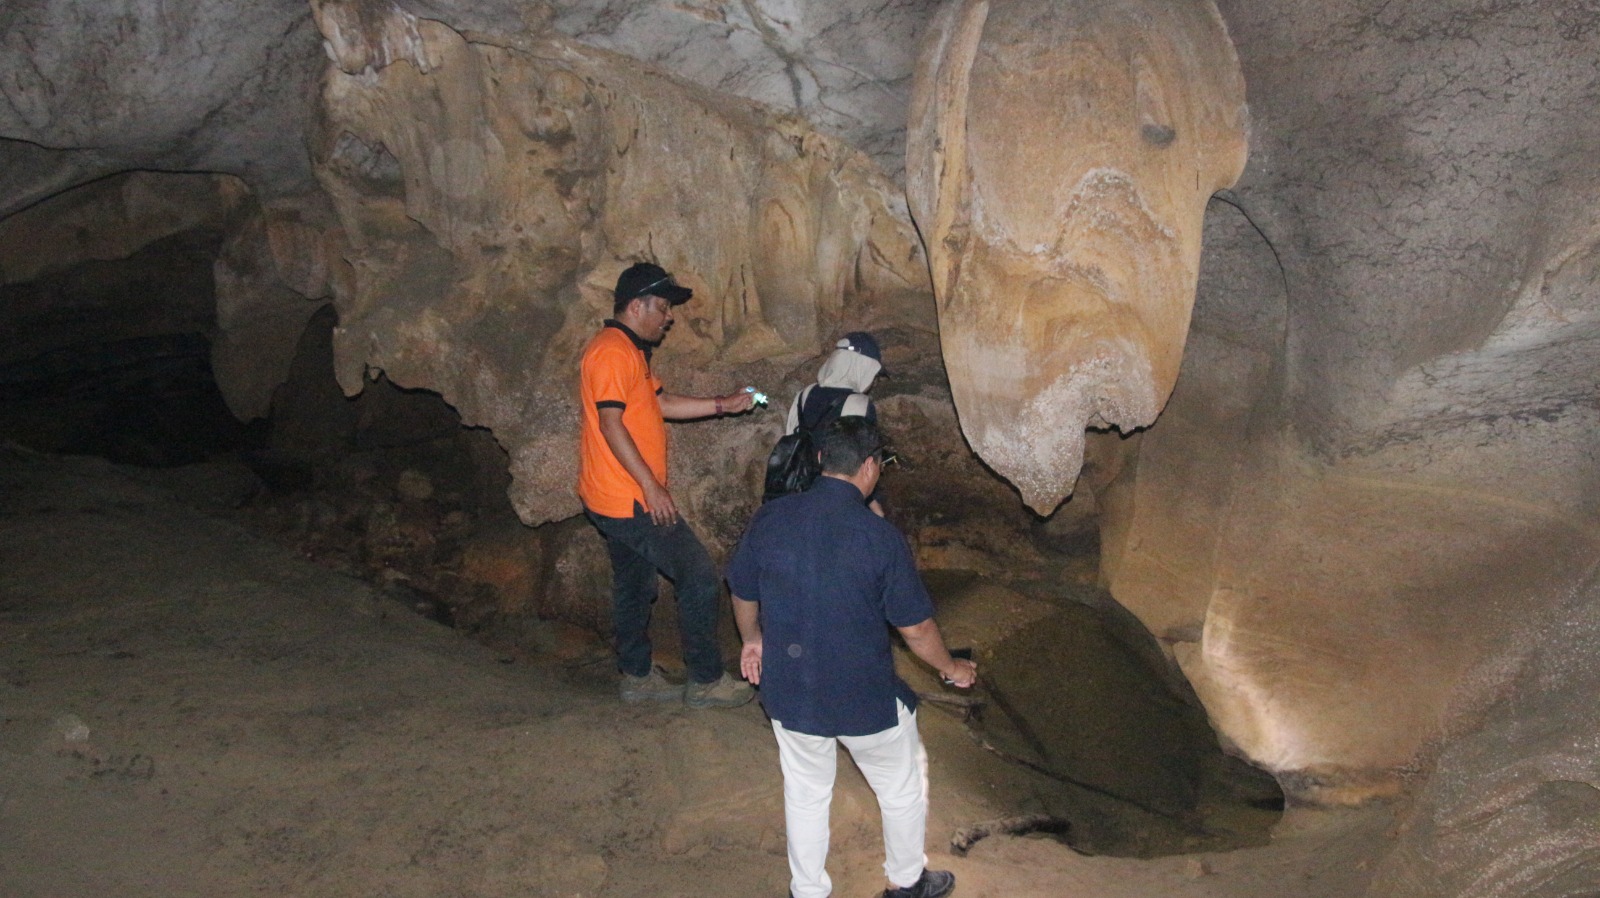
[(741, 401)]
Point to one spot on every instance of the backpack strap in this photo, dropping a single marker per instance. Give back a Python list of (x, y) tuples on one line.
[(792, 422), (825, 414)]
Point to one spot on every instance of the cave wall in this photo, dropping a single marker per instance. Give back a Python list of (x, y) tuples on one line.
[(1380, 456), (844, 66), (121, 258), (487, 197), (1512, 808)]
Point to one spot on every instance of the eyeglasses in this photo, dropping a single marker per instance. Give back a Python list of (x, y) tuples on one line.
[(887, 458)]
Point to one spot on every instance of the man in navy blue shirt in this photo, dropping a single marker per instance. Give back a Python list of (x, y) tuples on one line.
[(818, 578)]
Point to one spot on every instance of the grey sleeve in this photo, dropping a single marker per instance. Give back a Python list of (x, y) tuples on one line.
[(856, 404)]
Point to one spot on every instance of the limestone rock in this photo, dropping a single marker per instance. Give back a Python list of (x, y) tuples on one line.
[(1060, 157), (845, 65), (271, 277), (197, 85), (1378, 463), (1379, 457), (489, 196), (1513, 809)]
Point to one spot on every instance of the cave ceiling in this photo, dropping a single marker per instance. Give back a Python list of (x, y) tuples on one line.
[(211, 86), (194, 86)]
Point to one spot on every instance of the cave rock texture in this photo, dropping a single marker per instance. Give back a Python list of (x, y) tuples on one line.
[(1379, 461), (491, 194), (1341, 390), (93, 89), (1060, 160)]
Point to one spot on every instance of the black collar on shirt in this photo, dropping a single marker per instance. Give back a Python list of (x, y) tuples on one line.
[(642, 345)]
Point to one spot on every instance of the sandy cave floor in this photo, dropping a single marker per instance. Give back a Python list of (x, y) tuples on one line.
[(188, 709)]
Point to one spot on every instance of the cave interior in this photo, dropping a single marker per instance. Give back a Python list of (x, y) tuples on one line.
[(1242, 363)]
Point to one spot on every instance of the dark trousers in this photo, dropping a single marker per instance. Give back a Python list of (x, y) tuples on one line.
[(639, 549)]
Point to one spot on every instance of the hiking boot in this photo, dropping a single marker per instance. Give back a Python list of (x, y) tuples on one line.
[(652, 687), (726, 692), (933, 884)]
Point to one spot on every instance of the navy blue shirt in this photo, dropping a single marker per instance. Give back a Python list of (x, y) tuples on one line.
[(830, 576)]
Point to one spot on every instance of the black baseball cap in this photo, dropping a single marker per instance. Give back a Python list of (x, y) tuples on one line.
[(866, 344), (649, 279)]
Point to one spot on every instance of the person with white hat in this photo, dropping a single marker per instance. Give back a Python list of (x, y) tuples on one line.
[(841, 390)]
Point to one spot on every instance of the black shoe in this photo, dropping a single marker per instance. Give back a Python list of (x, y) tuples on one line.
[(932, 884)]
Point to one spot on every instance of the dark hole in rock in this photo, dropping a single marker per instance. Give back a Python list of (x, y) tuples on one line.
[(1158, 135), (146, 401)]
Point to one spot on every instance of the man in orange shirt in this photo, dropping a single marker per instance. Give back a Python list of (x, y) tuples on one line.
[(622, 480)]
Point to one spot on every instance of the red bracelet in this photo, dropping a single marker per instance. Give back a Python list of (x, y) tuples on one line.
[(718, 401)]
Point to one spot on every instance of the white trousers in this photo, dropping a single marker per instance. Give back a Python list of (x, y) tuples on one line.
[(894, 764)]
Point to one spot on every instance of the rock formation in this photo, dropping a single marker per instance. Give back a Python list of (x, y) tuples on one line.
[(489, 195), (66, 263), (1379, 459), (844, 66), (1512, 808), (1060, 160), (201, 85)]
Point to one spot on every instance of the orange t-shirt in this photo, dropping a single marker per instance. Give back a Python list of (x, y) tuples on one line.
[(615, 373)]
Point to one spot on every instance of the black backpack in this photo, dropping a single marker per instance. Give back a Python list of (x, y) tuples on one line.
[(793, 465)]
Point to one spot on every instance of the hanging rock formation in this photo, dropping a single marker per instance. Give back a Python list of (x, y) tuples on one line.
[(1060, 157)]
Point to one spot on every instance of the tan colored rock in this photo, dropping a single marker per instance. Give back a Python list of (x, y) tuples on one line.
[(1060, 157), (489, 196), (271, 277)]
